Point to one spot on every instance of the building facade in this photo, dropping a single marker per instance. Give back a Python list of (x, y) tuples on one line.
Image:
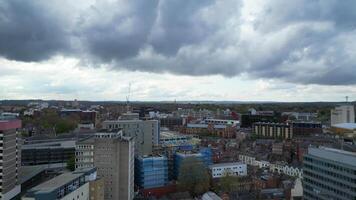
[(329, 174), (233, 169), (145, 133), (272, 130), (10, 158), (343, 114), (47, 152), (151, 171), (113, 156)]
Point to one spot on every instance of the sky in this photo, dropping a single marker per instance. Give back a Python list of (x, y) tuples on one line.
[(166, 50)]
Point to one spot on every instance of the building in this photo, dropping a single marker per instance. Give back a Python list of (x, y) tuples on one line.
[(10, 157), (345, 129), (272, 130), (218, 127), (48, 152), (145, 132), (247, 120), (210, 196), (204, 156), (342, 114), (301, 116), (151, 171), (232, 169), (277, 148), (329, 174), (84, 153), (67, 186), (85, 116), (306, 128), (113, 155), (171, 122)]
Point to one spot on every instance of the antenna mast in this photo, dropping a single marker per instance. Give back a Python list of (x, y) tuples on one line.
[(347, 99)]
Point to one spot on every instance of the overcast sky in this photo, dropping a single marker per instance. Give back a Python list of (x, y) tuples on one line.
[(243, 50)]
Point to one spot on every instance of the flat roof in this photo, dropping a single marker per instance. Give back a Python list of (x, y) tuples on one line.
[(59, 181), (350, 126), (58, 144), (226, 164), (337, 155)]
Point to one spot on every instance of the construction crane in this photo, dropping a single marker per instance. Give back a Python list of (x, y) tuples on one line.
[(128, 99)]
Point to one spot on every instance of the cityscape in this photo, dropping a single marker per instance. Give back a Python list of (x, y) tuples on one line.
[(177, 100)]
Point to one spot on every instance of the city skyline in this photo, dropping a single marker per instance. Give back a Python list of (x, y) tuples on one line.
[(238, 50)]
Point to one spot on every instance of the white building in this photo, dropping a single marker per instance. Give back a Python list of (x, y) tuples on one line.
[(342, 114), (233, 169)]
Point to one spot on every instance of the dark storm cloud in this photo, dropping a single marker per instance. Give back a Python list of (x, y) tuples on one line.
[(29, 31), (301, 41)]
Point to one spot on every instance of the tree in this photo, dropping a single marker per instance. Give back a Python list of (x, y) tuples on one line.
[(228, 183), (193, 176), (71, 163)]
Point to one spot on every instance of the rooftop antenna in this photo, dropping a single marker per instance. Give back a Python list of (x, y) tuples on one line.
[(347, 99), (128, 99)]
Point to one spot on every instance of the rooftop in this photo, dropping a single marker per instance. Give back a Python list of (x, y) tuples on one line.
[(60, 181), (350, 126), (336, 155), (226, 164), (52, 145)]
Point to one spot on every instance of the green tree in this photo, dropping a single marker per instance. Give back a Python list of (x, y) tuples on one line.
[(71, 163), (193, 177), (228, 183)]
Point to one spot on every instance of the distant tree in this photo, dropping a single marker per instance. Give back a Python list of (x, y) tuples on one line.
[(71, 163), (227, 182), (193, 177)]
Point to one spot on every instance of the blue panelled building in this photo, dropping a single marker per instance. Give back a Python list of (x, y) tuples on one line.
[(151, 171)]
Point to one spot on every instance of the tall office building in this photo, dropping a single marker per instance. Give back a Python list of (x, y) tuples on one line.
[(329, 174), (343, 114), (113, 156), (10, 158), (145, 132)]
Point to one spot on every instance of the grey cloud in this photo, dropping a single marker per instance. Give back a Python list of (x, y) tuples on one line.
[(301, 41), (29, 31)]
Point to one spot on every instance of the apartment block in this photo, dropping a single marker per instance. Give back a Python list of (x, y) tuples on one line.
[(272, 130), (329, 174), (113, 156), (145, 132), (342, 114), (10, 157)]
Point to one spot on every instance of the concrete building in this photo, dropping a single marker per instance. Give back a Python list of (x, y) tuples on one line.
[(47, 152), (272, 130), (342, 114), (151, 171), (113, 155), (232, 169), (67, 186), (329, 174), (10, 158), (145, 132)]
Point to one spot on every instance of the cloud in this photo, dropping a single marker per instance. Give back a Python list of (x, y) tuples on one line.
[(301, 41)]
